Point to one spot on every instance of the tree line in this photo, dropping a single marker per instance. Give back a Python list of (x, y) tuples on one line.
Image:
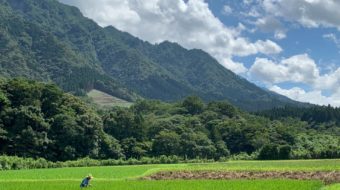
[(41, 121), (314, 114)]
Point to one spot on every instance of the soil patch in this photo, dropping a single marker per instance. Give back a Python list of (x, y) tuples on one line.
[(326, 177)]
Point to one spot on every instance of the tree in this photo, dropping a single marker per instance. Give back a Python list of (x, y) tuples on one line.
[(123, 124), (27, 132), (193, 104), (285, 152), (64, 132), (166, 143), (110, 148), (269, 152), (239, 135), (3, 100), (134, 149), (197, 145), (223, 108), (221, 150), (50, 100)]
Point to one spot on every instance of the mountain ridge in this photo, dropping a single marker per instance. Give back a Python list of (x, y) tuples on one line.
[(57, 43)]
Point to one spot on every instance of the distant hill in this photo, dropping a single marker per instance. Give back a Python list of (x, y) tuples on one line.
[(48, 41)]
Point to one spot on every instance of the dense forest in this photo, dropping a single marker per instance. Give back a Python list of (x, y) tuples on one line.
[(41, 121), (48, 41), (313, 115)]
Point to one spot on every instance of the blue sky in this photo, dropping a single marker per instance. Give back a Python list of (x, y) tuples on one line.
[(298, 39), (291, 47)]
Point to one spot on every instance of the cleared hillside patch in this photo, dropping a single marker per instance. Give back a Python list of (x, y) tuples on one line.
[(105, 100)]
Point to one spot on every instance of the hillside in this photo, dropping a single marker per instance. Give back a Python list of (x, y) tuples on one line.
[(47, 41), (105, 100), (40, 120), (30, 49)]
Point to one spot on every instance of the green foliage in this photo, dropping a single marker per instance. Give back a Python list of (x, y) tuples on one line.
[(40, 121), (269, 152), (19, 163), (275, 152), (124, 124), (166, 143), (50, 41), (223, 108), (45, 48), (316, 145), (194, 105), (3, 100), (314, 115), (120, 177), (134, 149)]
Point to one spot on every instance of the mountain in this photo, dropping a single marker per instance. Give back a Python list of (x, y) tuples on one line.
[(30, 48), (48, 41)]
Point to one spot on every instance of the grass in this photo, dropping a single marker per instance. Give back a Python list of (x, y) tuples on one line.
[(106, 100), (128, 172), (122, 177), (332, 187), (170, 185), (101, 173)]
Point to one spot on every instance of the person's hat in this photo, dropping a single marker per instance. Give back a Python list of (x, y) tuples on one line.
[(90, 176)]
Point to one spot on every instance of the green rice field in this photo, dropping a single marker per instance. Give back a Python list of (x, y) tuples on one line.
[(169, 185), (125, 177)]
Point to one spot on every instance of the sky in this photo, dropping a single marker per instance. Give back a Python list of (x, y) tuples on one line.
[(291, 47)]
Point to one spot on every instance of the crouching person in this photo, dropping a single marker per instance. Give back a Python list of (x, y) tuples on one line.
[(86, 181)]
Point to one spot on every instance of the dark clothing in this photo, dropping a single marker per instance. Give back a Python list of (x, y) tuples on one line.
[(85, 182)]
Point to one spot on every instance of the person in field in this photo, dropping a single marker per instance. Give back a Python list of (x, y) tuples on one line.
[(86, 181)]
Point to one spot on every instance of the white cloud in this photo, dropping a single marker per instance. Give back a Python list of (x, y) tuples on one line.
[(298, 68), (314, 97), (271, 14), (267, 47), (280, 35), (247, 2), (227, 10), (253, 12), (189, 23), (308, 13), (271, 24), (234, 66), (332, 37), (329, 81)]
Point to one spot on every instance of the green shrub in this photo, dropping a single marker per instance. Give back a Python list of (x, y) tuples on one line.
[(17, 163)]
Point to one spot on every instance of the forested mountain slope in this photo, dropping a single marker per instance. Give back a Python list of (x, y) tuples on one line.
[(48, 41)]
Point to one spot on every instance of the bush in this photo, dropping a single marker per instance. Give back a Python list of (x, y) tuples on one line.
[(275, 152), (17, 163), (269, 152), (244, 156), (285, 152)]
